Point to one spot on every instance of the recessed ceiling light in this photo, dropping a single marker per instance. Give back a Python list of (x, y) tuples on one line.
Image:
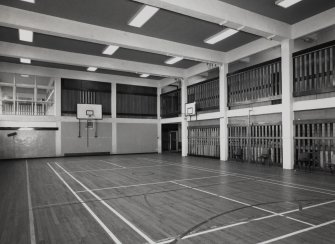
[(221, 35), (92, 69), (144, 75), (142, 16), (173, 60), (25, 76), (25, 35), (110, 50), (286, 3), (28, 1), (26, 128), (25, 60)]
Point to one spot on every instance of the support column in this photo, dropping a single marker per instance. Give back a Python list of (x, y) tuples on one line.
[(58, 114), (223, 113), (184, 123), (287, 103), (159, 124), (114, 122)]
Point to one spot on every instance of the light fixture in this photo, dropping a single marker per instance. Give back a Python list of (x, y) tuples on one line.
[(28, 1), (144, 75), (110, 50), (92, 69), (24, 76), (221, 35), (25, 35), (26, 128), (25, 60), (142, 16), (286, 3), (173, 60)]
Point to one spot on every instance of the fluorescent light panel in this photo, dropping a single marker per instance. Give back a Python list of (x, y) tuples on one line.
[(25, 60), (28, 1), (92, 69), (110, 50), (25, 76), (25, 35), (142, 16), (221, 35), (26, 128), (173, 60), (144, 75), (287, 3)]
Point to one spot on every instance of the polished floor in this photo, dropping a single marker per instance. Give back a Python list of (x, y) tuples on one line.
[(153, 198)]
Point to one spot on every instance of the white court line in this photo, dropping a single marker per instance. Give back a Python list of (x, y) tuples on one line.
[(107, 162), (141, 233), (152, 183), (297, 232), (31, 214), (139, 167), (111, 235), (243, 203), (288, 184)]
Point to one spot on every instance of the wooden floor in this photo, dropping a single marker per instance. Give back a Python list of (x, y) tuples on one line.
[(162, 199)]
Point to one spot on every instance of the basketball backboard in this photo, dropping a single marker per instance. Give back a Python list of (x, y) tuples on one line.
[(89, 111)]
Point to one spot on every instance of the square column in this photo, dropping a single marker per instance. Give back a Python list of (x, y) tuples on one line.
[(223, 112), (184, 122), (287, 103), (159, 124), (114, 123), (58, 113)]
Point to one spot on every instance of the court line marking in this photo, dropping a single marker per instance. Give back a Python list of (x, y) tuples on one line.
[(107, 162), (243, 203), (137, 230), (297, 232), (152, 183), (31, 213), (108, 231), (139, 167), (240, 223), (258, 177)]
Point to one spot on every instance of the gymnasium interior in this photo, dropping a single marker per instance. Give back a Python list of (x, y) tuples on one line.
[(167, 121)]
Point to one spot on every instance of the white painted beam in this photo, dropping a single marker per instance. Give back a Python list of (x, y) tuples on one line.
[(314, 23), (72, 74), (84, 60), (261, 110), (250, 49), (45, 24), (217, 12), (322, 103), (199, 68), (204, 116), (171, 120), (167, 81)]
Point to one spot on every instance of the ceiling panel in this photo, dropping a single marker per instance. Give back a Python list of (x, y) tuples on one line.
[(73, 67), (71, 45), (116, 14), (291, 15)]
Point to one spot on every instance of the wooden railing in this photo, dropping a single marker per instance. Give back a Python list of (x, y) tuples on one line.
[(248, 143), (257, 83), (170, 104), (204, 141), (314, 70), (317, 139), (205, 94)]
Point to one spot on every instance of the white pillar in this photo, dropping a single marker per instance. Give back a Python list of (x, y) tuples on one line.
[(184, 123), (114, 123), (223, 113), (159, 124), (287, 102), (58, 114)]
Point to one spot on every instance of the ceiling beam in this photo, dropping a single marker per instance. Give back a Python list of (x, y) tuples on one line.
[(46, 24), (74, 74), (218, 12), (250, 49), (84, 60), (314, 23)]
